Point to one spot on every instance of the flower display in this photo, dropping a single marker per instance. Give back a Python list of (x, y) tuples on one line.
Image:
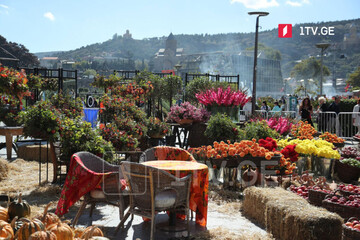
[(189, 112), (268, 143), (280, 124), (101, 82), (242, 149), (130, 126), (303, 130), (9, 111), (13, 82), (320, 148), (68, 106), (222, 97), (119, 138), (41, 120), (290, 153), (331, 138), (237, 149), (132, 91), (157, 127)]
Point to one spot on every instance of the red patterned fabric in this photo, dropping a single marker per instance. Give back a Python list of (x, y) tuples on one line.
[(173, 153), (79, 181)]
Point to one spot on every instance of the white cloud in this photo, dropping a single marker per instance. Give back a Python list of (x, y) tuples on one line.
[(256, 4), (49, 16), (297, 4), (4, 6)]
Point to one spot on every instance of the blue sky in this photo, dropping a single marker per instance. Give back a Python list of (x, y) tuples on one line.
[(49, 25)]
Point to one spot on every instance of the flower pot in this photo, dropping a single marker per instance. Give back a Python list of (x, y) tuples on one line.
[(345, 172), (185, 121), (157, 135)]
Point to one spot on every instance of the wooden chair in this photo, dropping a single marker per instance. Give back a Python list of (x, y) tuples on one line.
[(153, 190), (166, 153), (110, 192)]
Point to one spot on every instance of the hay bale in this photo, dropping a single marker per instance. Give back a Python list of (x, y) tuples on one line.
[(256, 199), (31, 153), (288, 216), (4, 169)]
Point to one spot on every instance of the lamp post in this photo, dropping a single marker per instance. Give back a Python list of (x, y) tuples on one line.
[(323, 47), (253, 100)]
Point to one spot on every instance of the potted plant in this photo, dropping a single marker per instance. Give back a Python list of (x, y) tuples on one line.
[(119, 138), (41, 120), (157, 128), (221, 128), (77, 135), (187, 113), (9, 111)]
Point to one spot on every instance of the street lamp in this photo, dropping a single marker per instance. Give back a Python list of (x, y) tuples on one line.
[(259, 14), (323, 47)]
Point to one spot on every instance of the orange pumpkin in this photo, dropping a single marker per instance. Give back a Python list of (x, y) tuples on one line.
[(92, 231), (4, 215), (48, 218), (43, 235), (28, 228), (6, 230), (78, 232), (62, 231)]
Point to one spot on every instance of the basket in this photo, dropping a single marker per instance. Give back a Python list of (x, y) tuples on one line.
[(316, 197), (345, 172), (349, 233), (344, 211), (347, 193), (234, 162), (157, 135), (339, 145)]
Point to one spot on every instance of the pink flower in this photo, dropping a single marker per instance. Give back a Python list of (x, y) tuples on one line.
[(222, 97)]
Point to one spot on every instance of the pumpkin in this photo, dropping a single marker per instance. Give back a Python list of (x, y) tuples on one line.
[(92, 231), (16, 224), (43, 235), (19, 208), (28, 228), (90, 234), (4, 215), (78, 232), (62, 231), (6, 230), (48, 218)]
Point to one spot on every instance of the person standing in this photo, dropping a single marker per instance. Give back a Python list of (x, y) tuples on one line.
[(322, 115), (306, 110), (266, 108), (356, 117), (276, 107), (334, 107)]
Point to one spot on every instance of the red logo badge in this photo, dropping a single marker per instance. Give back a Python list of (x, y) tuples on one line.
[(285, 30)]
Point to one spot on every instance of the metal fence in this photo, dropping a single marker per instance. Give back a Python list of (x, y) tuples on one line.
[(341, 124)]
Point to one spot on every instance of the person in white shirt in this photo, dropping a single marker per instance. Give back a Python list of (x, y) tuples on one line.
[(356, 117)]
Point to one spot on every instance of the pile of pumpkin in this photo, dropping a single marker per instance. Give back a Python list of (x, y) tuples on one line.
[(14, 225)]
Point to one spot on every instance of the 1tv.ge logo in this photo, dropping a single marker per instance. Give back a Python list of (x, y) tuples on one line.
[(285, 31)]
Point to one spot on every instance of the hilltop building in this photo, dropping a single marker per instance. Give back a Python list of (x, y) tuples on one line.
[(166, 58), (127, 35)]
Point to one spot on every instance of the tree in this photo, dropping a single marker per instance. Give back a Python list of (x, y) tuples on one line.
[(354, 78), (26, 58), (309, 69)]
